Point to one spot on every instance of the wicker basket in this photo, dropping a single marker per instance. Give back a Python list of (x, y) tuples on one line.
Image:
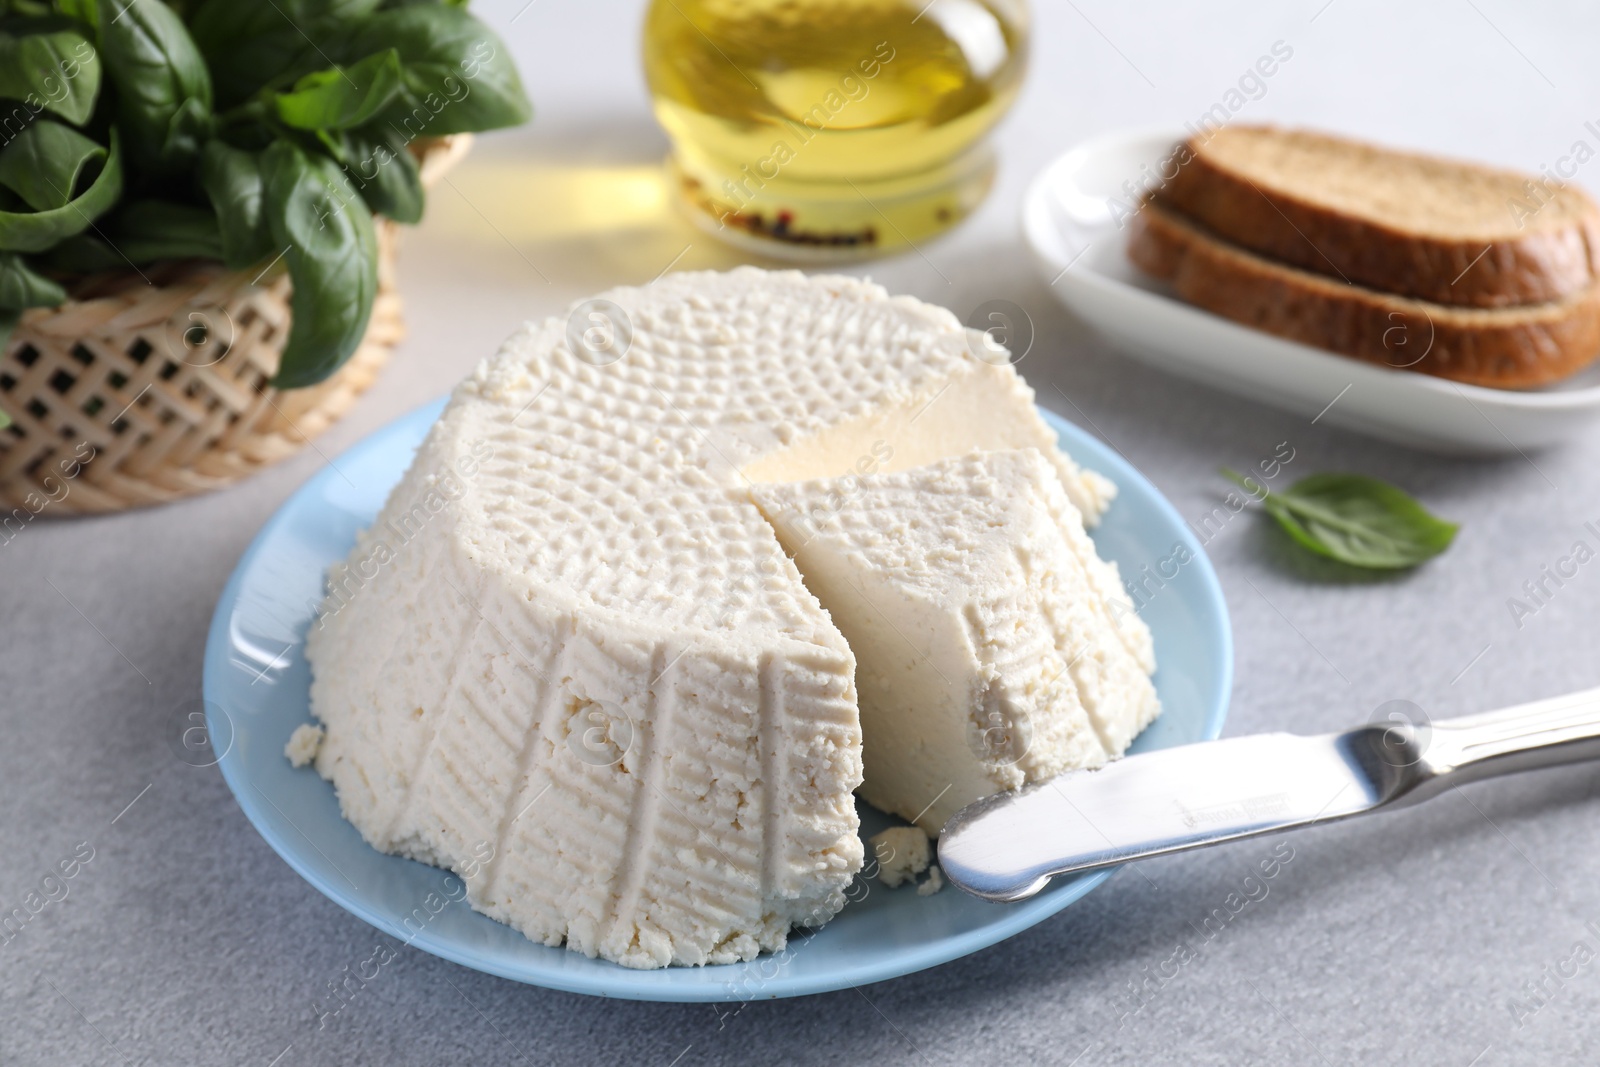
[(145, 388)]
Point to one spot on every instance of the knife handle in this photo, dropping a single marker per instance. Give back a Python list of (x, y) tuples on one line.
[(1545, 733)]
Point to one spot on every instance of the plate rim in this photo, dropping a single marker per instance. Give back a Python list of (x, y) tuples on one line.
[(650, 985), (1035, 196)]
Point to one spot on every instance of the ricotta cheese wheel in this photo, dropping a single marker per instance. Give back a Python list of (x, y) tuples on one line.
[(994, 647), (571, 661)]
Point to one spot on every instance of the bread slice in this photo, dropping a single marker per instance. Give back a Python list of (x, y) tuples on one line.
[(1505, 348), (1435, 229)]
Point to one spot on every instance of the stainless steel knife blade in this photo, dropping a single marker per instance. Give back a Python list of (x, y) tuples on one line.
[(1008, 846)]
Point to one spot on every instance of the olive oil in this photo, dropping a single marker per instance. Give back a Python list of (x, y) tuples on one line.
[(832, 128)]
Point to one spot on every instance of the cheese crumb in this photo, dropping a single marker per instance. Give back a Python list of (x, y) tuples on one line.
[(303, 744), (903, 853), (932, 884)]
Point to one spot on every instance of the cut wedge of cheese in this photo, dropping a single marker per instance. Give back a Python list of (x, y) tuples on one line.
[(993, 646), (570, 659)]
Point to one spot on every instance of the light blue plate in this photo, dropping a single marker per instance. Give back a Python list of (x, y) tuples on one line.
[(256, 693)]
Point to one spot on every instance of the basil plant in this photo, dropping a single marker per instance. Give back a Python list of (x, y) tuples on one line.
[(245, 131)]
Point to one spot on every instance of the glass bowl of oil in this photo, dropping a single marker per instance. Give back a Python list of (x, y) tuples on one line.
[(822, 130)]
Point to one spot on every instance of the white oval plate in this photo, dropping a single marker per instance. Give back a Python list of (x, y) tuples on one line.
[(257, 691), (1068, 220)]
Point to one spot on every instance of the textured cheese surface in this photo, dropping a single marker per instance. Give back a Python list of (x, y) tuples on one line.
[(571, 661), (994, 646)]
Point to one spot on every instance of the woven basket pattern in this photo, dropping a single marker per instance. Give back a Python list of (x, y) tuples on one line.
[(147, 387)]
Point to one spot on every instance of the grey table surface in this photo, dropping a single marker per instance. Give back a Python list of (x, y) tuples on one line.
[(1455, 933)]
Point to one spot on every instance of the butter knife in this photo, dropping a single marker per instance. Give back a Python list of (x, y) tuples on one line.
[(1008, 846)]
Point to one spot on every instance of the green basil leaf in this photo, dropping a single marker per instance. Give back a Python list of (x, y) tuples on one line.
[(339, 98), (21, 287), (87, 11), (83, 253), (250, 45), (187, 133), (332, 256), (232, 179), (83, 10), (385, 173), (36, 231), (458, 75), (157, 70), (149, 230), (57, 69), (336, 10), (8, 322), (1357, 520), (42, 164)]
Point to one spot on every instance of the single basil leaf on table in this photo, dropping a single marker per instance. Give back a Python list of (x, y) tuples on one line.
[(22, 231), (384, 171), (163, 86), (232, 179), (332, 256), (42, 164), (149, 230), (1357, 520), (339, 98), (56, 65), (458, 75), (22, 287)]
